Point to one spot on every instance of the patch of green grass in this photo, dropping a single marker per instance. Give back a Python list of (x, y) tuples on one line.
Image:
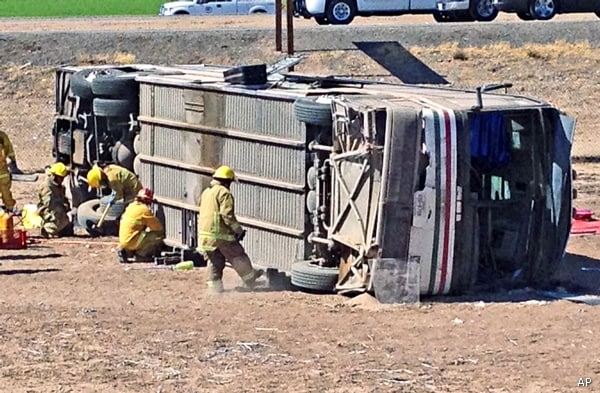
[(73, 8)]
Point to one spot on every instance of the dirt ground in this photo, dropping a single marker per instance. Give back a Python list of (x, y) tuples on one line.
[(73, 320)]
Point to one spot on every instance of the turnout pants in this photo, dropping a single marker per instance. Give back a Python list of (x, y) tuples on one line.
[(235, 254), (7, 197), (150, 244), (54, 222)]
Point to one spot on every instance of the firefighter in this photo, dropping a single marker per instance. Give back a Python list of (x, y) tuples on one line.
[(53, 205), (219, 233), (8, 165), (140, 233), (123, 183)]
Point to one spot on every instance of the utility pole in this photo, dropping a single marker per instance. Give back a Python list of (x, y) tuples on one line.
[(289, 17), (278, 25), (290, 27)]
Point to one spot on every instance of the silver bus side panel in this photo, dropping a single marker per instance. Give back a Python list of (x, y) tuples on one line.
[(186, 133)]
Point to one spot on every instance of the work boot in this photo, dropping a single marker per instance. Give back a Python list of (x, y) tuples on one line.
[(215, 287), (123, 255), (250, 283), (44, 233)]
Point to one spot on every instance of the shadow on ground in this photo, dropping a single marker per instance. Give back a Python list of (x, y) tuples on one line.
[(19, 257), (13, 272)]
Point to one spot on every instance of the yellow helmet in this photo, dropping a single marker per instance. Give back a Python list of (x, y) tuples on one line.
[(59, 169), (224, 172), (94, 176)]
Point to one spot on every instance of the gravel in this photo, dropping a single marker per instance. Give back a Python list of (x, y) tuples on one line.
[(193, 46)]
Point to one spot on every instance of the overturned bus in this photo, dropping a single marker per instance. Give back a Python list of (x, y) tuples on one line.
[(334, 174)]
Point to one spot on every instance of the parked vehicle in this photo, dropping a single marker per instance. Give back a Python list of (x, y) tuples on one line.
[(472, 186), (465, 10), (218, 7), (546, 9), (342, 12)]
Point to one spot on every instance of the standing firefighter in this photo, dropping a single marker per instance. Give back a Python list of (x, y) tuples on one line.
[(53, 205), (140, 233), (7, 153), (123, 183), (219, 233)]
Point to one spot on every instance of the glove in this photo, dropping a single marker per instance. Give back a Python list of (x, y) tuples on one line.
[(111, 198), (14, 169), (240, 236)]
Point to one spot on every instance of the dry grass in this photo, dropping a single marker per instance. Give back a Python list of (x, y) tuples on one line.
[(120, 58), (558, 49)]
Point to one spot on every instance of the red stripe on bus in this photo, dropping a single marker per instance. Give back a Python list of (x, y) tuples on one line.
[(447, 201)]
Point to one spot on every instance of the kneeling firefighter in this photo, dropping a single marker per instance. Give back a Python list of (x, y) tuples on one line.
[(140, 233), (53, 204)]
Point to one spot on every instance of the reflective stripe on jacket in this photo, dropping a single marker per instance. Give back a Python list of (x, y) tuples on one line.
[(216, 219), (123, 182), (6, 151), (136, 218)]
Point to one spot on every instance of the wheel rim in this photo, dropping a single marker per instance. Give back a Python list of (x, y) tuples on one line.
[(544, 8), (341, 11), (485, 8)]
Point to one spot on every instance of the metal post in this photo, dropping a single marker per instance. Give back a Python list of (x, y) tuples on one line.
[(278, 31), (290, 28)]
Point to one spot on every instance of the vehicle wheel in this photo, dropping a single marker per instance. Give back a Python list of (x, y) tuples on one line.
[(525, 16), (321, 20), (313, 111), (81, 85), (314, 277), (543, 9), (341, 12), (483, 10), (115, 210), (124, 156), (110, 107), (115, 86), (88, 215)]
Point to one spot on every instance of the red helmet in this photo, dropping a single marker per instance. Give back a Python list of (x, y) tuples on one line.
[(145, 195)]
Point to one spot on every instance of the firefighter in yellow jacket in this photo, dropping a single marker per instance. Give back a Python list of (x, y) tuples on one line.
[(140, 233), (219, 233), (6, 168), (53, 204), (124, 183)]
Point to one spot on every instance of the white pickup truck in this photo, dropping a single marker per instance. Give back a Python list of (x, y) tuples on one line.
[(465, 11), (218, 7), (342, 12)]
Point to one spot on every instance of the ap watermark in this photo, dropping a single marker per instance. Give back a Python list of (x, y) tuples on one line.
[(584, 382)]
